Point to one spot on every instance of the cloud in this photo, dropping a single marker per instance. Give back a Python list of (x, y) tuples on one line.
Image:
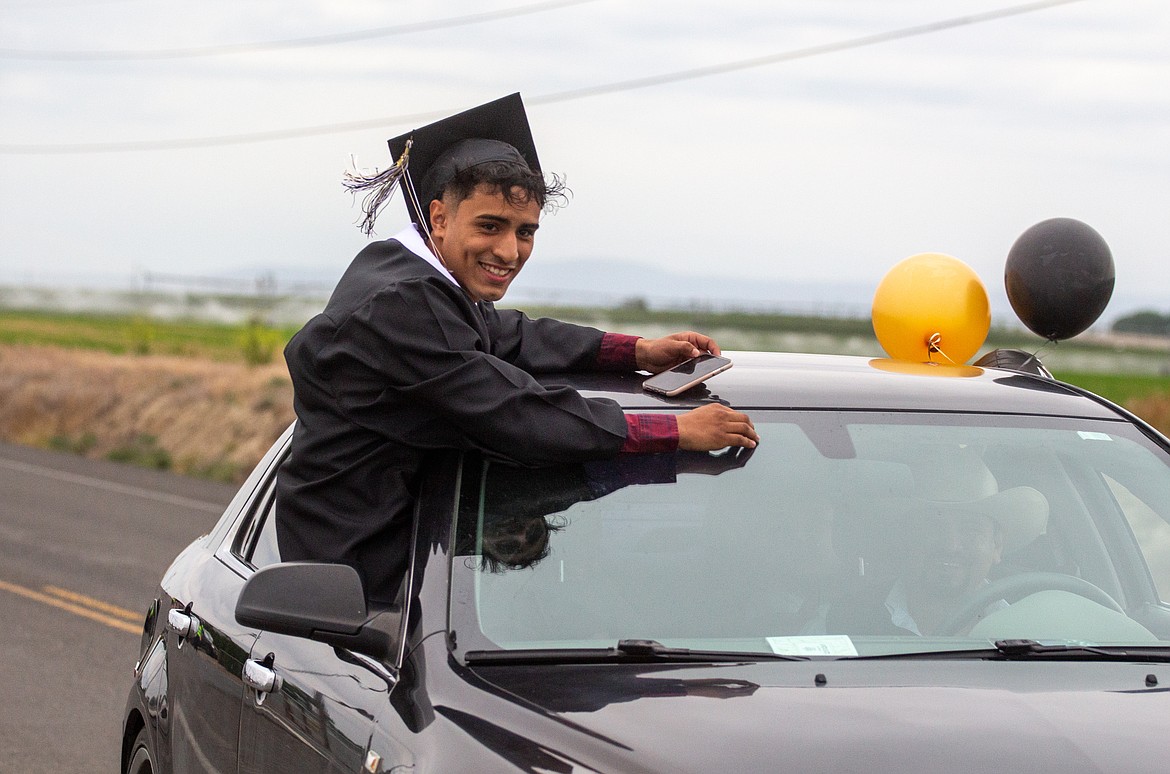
[(818, 169)]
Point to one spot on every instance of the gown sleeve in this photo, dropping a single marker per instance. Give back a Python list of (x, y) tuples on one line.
[(543, 345), (540, 346), (421, 344)]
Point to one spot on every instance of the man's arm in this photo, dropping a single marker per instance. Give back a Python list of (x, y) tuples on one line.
[(707, 428), (704, 429), (620, 352), (419, 344), (547, 345), (550, 345)]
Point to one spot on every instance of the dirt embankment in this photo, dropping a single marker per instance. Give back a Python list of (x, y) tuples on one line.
[(1154, 409), (192, 416), (197, 417)]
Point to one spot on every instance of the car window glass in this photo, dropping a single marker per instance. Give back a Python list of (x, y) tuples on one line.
[(255, 541), (878, 528), (265, 551), (1152, 533), (246, 532)]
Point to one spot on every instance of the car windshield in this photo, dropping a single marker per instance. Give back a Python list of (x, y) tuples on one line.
[(842, 534)]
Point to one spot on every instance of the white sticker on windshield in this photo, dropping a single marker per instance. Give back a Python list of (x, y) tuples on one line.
[(822, 645), (1094, 436)]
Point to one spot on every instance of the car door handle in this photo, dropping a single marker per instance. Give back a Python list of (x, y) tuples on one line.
[(182, 623), (261, 677)]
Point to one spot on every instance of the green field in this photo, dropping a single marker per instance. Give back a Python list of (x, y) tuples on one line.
[(251, 342), (1119, 388), (257, 343)]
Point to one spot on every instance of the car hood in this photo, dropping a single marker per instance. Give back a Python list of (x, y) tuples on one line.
[(919, 716)]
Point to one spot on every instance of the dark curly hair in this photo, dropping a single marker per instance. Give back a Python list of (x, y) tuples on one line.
[(517, 183), (517, 542)]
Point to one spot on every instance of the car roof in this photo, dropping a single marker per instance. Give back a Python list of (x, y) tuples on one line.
[(779, 380)]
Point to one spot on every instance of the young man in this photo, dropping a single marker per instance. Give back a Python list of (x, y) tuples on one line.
[(410, 356)]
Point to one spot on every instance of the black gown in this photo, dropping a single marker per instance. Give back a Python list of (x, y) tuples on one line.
[(400, 364)]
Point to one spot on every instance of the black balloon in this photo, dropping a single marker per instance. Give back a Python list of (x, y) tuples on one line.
[(1059, 277)]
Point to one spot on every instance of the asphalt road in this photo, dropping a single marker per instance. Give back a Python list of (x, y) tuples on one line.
[(83, 544)]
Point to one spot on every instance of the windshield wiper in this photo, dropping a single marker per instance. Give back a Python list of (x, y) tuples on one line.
[(655, 649), (627, 651), (1037, 648)]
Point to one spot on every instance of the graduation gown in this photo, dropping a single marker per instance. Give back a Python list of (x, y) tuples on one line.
[(400, 364)]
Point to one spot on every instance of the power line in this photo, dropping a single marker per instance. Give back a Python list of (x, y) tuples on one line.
[(272, 45), (545, 99), (800, 53), (227, 139), (41, 5)]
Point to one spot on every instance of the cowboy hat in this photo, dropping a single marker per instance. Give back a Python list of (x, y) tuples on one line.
[(954, 481)]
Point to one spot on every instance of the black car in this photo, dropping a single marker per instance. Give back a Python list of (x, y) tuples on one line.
[(920, 569)]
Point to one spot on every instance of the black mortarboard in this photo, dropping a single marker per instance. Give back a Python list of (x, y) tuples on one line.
[(430, 156)]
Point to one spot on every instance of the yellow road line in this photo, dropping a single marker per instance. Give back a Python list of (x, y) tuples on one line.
[(61, 604), (90, 602)]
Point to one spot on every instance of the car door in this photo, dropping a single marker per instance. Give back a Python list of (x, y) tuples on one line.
[(309, 706), (206, 649), (205, 659)]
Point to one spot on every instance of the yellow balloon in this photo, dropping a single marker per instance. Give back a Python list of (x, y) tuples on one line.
[(931, 308)]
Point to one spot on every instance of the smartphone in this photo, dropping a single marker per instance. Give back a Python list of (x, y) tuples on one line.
[(687, 374)]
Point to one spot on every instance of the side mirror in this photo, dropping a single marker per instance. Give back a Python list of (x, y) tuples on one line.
[(322, 602)]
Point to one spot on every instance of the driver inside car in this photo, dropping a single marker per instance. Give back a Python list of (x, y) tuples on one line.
[(954, 556), (959, 527)]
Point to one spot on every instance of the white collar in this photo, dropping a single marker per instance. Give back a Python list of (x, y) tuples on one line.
[(898, 605), (413, 241)]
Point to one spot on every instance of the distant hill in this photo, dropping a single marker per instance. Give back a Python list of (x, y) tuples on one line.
[(610, 282), (577, 282), (607, 282)]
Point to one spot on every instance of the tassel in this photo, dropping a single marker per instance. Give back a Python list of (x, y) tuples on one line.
[(379, 187)]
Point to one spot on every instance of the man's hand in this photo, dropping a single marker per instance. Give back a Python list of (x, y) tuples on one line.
[(657, 355), (715, 426)]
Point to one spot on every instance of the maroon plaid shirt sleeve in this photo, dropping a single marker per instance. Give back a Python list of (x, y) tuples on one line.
[(617, 353), (651, 433)]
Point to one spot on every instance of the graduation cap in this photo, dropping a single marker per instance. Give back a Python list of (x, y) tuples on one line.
[(428, 158)]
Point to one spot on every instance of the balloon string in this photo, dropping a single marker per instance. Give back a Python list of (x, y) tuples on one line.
[(932, 345), (1037, 361)]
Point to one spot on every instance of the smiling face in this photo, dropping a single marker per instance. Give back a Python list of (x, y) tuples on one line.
[(485, 239), (958, 553)]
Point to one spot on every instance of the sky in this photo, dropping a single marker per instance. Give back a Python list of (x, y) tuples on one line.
[(760, 143)]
